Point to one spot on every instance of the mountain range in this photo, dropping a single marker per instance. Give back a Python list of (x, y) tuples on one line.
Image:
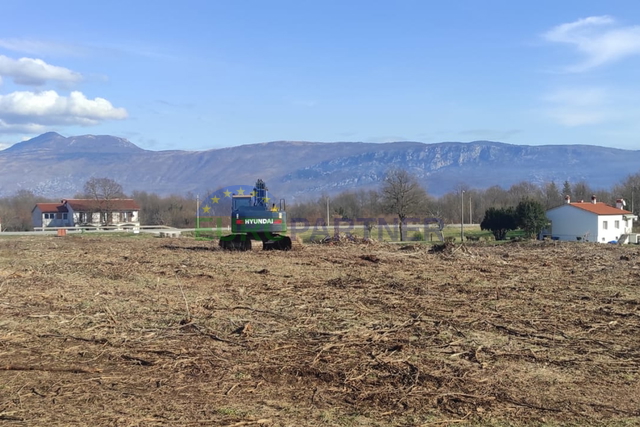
[(52, 165)]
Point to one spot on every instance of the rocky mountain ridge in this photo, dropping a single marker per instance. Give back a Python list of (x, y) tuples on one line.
[(52, 165)]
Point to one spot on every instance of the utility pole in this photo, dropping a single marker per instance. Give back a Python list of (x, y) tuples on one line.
[(462, 216), (327, 213), (197, 211)]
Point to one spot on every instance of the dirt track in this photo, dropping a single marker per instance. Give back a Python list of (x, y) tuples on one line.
[(141, 332)]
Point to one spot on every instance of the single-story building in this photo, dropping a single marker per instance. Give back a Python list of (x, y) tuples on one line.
[(86, 212), (590, 222)]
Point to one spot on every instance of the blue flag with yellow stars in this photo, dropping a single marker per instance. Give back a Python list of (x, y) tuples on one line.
[(218, 203)]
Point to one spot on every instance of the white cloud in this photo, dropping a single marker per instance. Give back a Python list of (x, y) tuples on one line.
[(579, 106), (567, 117), (48, 48), (35, 72), (383, 139), (21, 128), (39, 47), (30, 112), (599, 38), (578, 97), (489, 134)]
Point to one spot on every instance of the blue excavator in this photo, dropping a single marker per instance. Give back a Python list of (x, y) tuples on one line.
[(253, 217)]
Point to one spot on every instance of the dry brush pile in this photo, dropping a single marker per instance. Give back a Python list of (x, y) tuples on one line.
[(131, 331)]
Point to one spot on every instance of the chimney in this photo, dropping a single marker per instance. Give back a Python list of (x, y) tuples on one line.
[(593, 199), (620, 204), (567, 199)]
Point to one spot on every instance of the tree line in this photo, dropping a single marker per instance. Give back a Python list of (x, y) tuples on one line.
[(399, 196), (467, 204)]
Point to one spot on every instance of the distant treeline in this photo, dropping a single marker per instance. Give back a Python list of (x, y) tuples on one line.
[(180, 210), (470, 202)]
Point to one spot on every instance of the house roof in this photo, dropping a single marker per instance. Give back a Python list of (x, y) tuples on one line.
[(92, 205), (51, 207), (599, 208)]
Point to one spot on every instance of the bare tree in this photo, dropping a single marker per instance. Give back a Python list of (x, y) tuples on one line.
[(581, 191), (552, 196), (15, 211), (103, 191), (346, 204), (629, 189), (496, 197), (447, 207), (370, 202), (524, 190), (403, 195)]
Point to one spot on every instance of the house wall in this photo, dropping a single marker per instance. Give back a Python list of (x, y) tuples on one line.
[(87, 218), (612, 233), (58, 220), (568, 223), (129, 217), (36, 217), (94, 218), (73, 215)]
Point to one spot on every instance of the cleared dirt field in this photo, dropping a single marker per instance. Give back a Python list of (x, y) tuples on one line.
[(146, 331)]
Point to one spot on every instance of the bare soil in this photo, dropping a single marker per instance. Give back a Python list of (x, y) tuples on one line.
[(140, 332)]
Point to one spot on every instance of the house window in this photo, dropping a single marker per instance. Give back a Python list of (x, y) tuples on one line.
[(605, 225), (616, 224), (65, 216), (49, 216)]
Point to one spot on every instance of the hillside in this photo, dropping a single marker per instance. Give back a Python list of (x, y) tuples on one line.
[(52, 165)]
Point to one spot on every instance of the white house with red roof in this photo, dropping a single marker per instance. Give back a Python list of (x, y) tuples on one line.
[(591, 222), (86, 212)]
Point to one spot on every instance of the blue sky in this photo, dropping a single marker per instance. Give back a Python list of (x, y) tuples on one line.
[(195, 75)]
